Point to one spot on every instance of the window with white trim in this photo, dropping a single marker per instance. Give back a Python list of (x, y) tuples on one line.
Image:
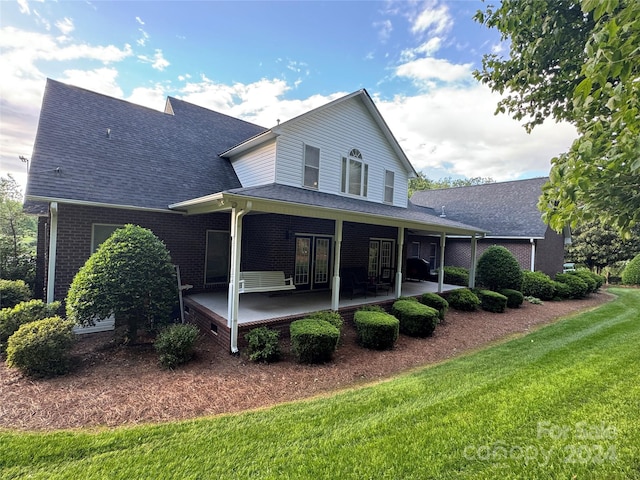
[(311, 166), (355, 174), (100, 232), (388, 186)]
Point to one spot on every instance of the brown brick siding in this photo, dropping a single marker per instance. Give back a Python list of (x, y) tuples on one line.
[(550, 253)]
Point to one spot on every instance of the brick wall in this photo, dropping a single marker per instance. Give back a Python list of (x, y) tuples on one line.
[(550, 253), (458, 251)]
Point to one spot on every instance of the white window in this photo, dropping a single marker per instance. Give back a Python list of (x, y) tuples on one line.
[(311, 166), (388, 186), (355, 174), (100, 233), (217, 257)]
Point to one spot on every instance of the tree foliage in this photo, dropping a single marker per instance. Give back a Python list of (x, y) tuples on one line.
[(129, 276), (576, 61), (422, 182)]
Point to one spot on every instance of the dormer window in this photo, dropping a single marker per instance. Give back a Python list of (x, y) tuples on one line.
[(355, 174), (311, 166)]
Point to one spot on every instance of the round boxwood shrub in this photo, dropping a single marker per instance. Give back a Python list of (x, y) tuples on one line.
[(514, 297), (263, 345), (586, 277), (330, 316), (537, 284), (41, 348), (12, 318), (12, 292), (416, 319), (456, 276), (175, 344), (313, 341), (561, 291), (492, 301), (376, 330), (577, 287), (631, 273), (498, 269), (434, 300), (463, 299)]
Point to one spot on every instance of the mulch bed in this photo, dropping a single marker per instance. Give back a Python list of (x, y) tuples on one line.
[(115, 385)]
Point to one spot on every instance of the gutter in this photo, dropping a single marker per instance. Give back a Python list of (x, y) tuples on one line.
[(53, 245)]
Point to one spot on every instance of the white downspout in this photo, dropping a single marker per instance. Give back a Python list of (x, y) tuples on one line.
[(335, 293), (474, 261), (443, 237), (399, 262), (533, 254), (53, 246), (236, 251)]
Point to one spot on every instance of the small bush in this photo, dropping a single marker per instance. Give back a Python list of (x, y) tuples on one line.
[(372, 308), (12, 318), (456, 276), (587, 278), (434, 300), (376, 330), (492, 301), (313, 341), (534, 300), (175, 344), (577, 287), (514, 297), (561, 291), (41, 348), (464, 300), (416, 319), (631, 273), (330, 316), (12, 292), (263, 345), (537, 284), (498, 269)]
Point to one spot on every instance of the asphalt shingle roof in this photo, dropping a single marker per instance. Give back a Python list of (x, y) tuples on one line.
[(505, 209), (150, 159)]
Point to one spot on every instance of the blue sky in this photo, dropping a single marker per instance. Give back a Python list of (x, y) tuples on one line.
[(267, 60)]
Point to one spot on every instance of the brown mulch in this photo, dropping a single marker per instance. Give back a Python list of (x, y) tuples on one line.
[(115, 385)]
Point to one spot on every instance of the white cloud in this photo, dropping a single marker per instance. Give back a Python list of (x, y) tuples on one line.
[(142, 41), (433, 19), (65, 25), (103, 80), (152, 97), (158, 62), (139, 20), (384, 27), (24, 7), (424, 71)]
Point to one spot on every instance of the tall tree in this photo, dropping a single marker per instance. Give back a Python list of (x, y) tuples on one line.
[(422, 182), (576, 61)]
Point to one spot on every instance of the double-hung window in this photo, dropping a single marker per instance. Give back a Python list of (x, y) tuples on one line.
[(311, 166), (355, 174), (388, 186)]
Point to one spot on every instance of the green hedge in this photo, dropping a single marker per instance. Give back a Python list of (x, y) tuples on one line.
[(41, 348), (578, 288), (498, 269), (514, 297), (456, 276), (537, 284), (175, 344), (263, 345), (561, 291), (313, 341), (434, 300), (25, 312), (463, 299), (587, 278), (631, 273), (12, 292), (492, 301), (330, 316), (376, 330), (416, 319)]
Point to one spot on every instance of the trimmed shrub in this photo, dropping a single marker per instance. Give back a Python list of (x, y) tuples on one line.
[(434, 300), (416, 319), (514, 297), (376, 330), (577, 287), (175, 344), (263, 345), (561, 291), (330, 316), (492, 301), (537, 284), (586, 277), (631, 273), (12, 318), (498, 269), (464, 300), (372, 308), (12, 292), (456, 276), (41, 348), (313, 341)]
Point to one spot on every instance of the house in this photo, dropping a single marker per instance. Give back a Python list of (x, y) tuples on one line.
[(508, 211), (309, 197)]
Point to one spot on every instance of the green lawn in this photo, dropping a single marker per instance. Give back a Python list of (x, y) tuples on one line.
[(563, 402)]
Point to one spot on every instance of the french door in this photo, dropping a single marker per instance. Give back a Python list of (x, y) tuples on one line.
[(313, 262)]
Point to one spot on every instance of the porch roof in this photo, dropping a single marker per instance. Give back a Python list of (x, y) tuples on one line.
[(288, 200)]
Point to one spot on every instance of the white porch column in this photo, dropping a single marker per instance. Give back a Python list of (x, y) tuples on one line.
[(533, 254), (53, 246), (399, 262), (234, 271), (335, 292), (443, 237), (474, 261)]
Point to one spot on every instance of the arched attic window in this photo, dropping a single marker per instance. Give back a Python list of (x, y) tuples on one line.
[(355, 174)]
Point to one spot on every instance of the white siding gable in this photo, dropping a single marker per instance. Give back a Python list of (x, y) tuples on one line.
[(257, 166), (336, 131)]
